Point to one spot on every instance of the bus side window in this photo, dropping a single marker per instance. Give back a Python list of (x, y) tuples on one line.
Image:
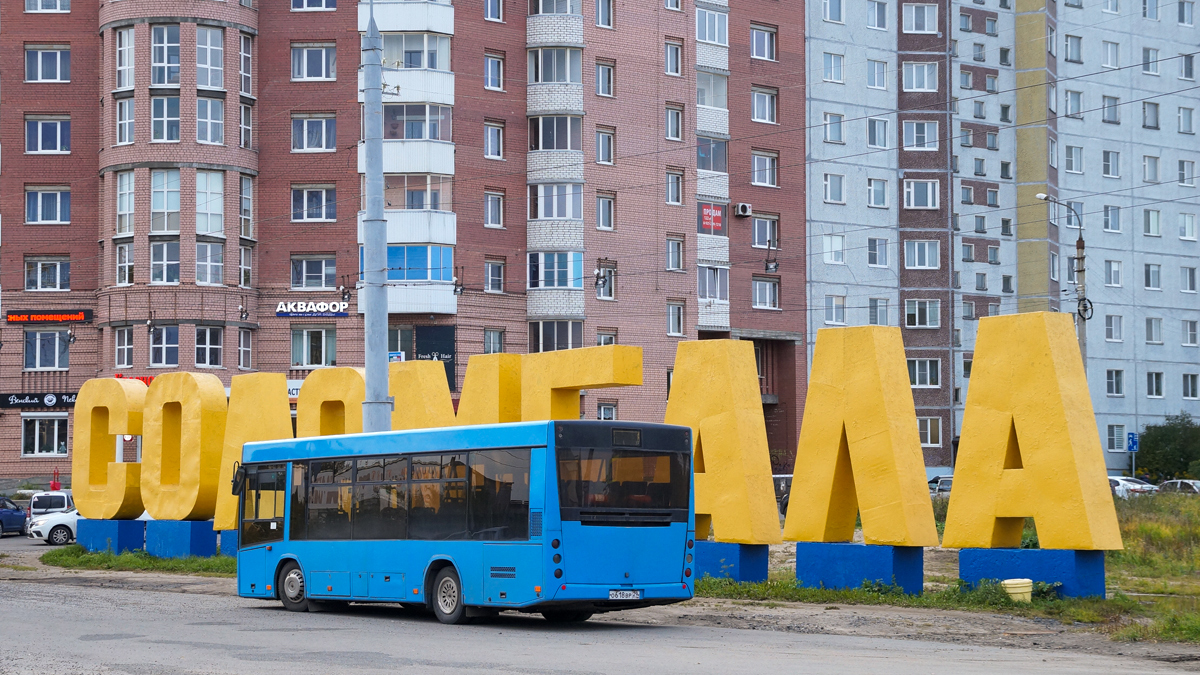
[(330, 496), (262, 505), (500, 494), (438, 503), (380, 499), (296, 529)]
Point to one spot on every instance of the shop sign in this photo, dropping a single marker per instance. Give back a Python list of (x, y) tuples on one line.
[(54, 400), (312, 309), (49, 316), (436, 343)]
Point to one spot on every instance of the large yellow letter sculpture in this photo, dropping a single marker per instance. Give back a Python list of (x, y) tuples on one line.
[(104, 410), (330, 402), (859, 447), (1029, 444), (258, 411), (550, 381), (715, 392), (181, 453)]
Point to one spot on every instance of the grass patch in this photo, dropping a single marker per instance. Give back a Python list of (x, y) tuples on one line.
[(1161, 535), (77, 557), (1172, 627)]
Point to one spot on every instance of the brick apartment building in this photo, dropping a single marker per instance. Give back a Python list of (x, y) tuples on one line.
[(557, 176)]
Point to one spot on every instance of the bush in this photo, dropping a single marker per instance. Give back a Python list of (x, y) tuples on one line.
[(1172, 448)]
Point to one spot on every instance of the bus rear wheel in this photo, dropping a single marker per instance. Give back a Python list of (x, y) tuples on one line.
[(290, 584), (447, 597), (564, 616)]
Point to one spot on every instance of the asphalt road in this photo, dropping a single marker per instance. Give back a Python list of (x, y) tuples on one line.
[(53, 626), (11, 542)]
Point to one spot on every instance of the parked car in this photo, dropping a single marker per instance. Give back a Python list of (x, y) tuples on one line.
[(1187, 487), (55, 528), (939, 486), (1126, 487), (50, 502), (12, 517), (783, 489)]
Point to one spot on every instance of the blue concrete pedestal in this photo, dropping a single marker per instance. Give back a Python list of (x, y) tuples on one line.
[(229, 543), (740, 562), (180, 538), (848, 565), (1081, 573), (117, 536)]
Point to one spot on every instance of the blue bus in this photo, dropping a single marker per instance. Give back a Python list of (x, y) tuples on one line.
[(565, 518)]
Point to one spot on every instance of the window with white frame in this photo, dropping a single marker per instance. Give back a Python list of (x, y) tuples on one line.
[(877, 252), (47, 205), (555, 7), (764, 169), (765, 232), (1112, 273), (877, 311), (245, 265), (877, 15), (313, 271), (493, 273), (556, 201), (835, 310), (314, 203), (1153, 330), (493, 71), (1073, 159), (833, 128), (47, 134), (1186, 12), (1116, 432), (876, 74), (493, 209), (124, 264), (712, 90), (762, 38), (1112, 54), (44, 435), (674, 187), (604, 13), (556, 269), (493, 341), (674, 123), (313, 5), (877, 193), (922, 255), (245, 126), (1150, 9), (245, 339), (1191, 386), (246, 206), (314, 133), (711, 26), (1187, 226), (920, 194), (835, 249), (314, 62), (1114, 328), (924, 373), (47, 349), (673, 58), (124, 121), (1187, 279), (832, 70), (763, 105), (1152, 274), (164, 119), (493, 10), (1149, 115), (208, 346), (1189, 332), (1185, 120), (210, 58), (833, 11), (314, 347), (712, 283), (1111, 164), (766, 293), (48, 64), (712, 155), (164, 55), (493, 141), (210, 202), (920, 135), (922, 313), (123, 344), (835, 192), (245, 46), (606, 208), (1110, 107), (556, 133), (124, 57), (1112, 218), (920, 18), (605, 140), (877, 132), (210, 263), (548, 336), (674, 254), (47, 274), (1187, 173), (1149, 169), (675, 318), (929, 429), (1151, 223), (164, 262), (1187, 66), (604, 79)]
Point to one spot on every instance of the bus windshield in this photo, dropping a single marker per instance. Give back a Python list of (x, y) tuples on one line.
[(617, 478)]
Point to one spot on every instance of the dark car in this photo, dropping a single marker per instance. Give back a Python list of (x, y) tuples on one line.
[(783, 490), (12, 518)]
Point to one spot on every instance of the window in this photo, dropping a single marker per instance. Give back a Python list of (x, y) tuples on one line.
[(1149, 115), (674, 124), (877, 15), (922, 313), (1187, 12), (1113, 325), (833, 11), (1115, 382), (877, 255), (1074, 104), (124, 40), (992, 141), (47, 135), (210, 263), (920, 135), (1111, 164), (246, 212), (925, 373), (1006, 226), (674, 254), (414, 122), (1073, 159), (1005, 56), (555, 133), (210, 121), (1151, 223), (967, 137), (1112, 219), (1187, 226), (980, 167), (1150, 169), (674, 187), (314, 272), (1150, 9), (245, 43), (964, 23), (766, 293), (1185, 120), (550, 201), (210, 202), (493, 209), (245, 266), (493, 272), (1187, 66), (314, 347), (314, 203), (1191, 386), (1074, 49), (979, 52), (314, 62), (673, 4), (877, 311), (244, 344), (493, 10), (835, 249), (1116, 432), (604, 13), (1053, 263), (674, 319), (877, 193), (164, 119), (493, 70), (1153, 277), (46, 206), (1187, 279), (48, 65), (164, 262), (417, 50), (416, 263), (964, 79), (1110, 106), (125, 121), (164, 55), (712, 26), (245, 126), (762, 39), (712, 90), (1153, 330), (930, 431), (555, 7), (1005, 169), (210, 58), (920, 194), (1189, 333), (314, 133), (833, 128), (556, 270), (493, 139), (1112, 273), (833, 67), (712, 283), (711, 155), (47, 274), (124, 264), (920, 76), (604, 79), (493, 341), (834, 192), (980, 109), (1187, 173), (1074, 214), (606, 411), (877, 132), (835, 310), (164, 346), (764, 169), (920, 18), (980, 281), (313, 5), (673, 58), (208, 346), (44, 435), (123, 342), (763, 105), (606, 207), (417, 191), (765, 232), (876, 75)]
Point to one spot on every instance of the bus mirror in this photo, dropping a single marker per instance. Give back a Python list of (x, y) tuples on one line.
[(239, 479)]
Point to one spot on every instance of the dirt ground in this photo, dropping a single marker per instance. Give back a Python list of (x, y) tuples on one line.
[(953, 627)]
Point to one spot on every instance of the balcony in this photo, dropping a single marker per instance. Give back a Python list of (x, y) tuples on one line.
[(417, 85), (712, 120), (554, 98), (713, 315), (554, 235), (401, 156), (712, 56), (408, 17), (415, 226), (712, 184), (554, 303), (554, 30), (433, 297), (712, 248), (547, 166)]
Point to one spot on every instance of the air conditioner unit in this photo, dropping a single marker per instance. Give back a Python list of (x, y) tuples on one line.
[(743, 210)]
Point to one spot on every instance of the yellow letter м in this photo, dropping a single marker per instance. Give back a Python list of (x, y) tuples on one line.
[(103, 488)]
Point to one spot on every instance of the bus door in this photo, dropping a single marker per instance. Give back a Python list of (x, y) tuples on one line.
[(264, 494)]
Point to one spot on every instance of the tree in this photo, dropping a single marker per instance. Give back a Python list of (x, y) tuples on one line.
[(1171, 448)]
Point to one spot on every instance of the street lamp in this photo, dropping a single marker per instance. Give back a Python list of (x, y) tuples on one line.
[(1084, 306)]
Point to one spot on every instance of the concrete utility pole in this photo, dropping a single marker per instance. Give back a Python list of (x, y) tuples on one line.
[(1083, 306), (377, 406)]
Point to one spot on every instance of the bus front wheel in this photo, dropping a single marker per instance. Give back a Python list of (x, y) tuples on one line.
[(447, 598), (290, 584), (563, 616)]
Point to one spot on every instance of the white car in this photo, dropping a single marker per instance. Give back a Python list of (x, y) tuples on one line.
[(55, 529), (1126, 487)]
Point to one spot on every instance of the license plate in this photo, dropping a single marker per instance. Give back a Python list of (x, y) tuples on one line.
[(624, 595)]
